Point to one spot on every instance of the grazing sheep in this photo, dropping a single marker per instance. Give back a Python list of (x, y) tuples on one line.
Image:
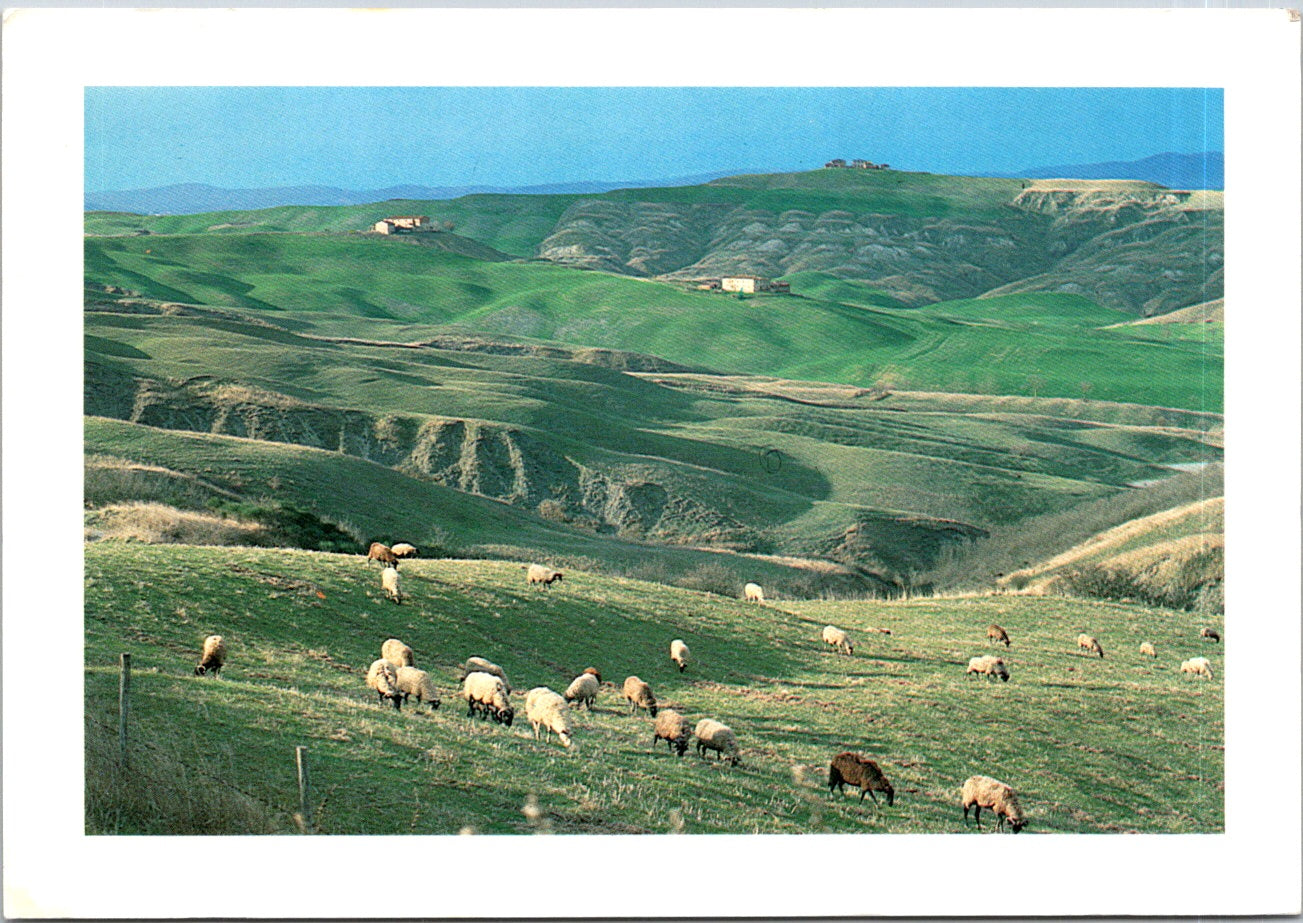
[(389, 580), (1197, 665), (486, 695), (1090, 645), (397, 653), (989, 665), (537, 573), (879, 631), (679, 653), (711, 735), (861, 771), (480, 665), (582, 690), (382, 553), (1210, 633), (834, 637), (639, 695), (412, 681), (996, 635), (672, 728), (383, 678), (545, 709), (592, 671), (404, 550), (213, 657), (984, 792), (1147, 650), (753, 593)]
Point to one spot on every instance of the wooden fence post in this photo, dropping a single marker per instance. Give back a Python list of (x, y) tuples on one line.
[(305, 805), (124, 703)]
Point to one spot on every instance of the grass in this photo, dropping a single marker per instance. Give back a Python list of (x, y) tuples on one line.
[(1091, 745)]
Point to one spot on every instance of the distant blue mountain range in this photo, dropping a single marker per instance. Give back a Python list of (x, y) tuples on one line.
[(193, 198), (1175, 171)]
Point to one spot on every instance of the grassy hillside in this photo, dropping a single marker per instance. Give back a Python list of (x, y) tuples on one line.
[(1092, 745), (1040, 344)]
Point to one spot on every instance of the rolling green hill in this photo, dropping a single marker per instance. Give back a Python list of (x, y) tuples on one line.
[(1113, 745)]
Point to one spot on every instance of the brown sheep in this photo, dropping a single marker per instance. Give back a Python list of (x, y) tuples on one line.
[(997, 635), (1211, 634), (382, 553), (984, 792), (639, 695), (672, 728), (861, 771), (592, 671), (213, 657)]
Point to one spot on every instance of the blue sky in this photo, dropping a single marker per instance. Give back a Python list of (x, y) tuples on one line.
[(373, 137)]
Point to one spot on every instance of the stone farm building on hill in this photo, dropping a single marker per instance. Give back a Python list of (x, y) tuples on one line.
[(749, 284), (400, 224)]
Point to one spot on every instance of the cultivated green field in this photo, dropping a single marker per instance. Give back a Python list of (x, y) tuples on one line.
[(1111, 745)]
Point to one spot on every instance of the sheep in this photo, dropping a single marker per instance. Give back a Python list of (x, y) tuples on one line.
[(486, 694), (546, 709), (989, 665), (382, 553), (537, 573), (753, 593), (672, 728), (592, 671), (711, 735), (1147, 650), (861, 771), (383, 678), (583, 690), (1090, 644), (834, 637), (404, 550), (996, 635), (639, 695), (679, 653), (397, 653), (984, 792), (213, 657), (412, 681), (1211, 634), (480, 665), (389, 580), (1197, 665)]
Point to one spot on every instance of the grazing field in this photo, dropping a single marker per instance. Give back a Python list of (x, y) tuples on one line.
[(1091, 745)]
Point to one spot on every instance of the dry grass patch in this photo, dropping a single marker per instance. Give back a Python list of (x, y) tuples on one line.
[(157, 524)]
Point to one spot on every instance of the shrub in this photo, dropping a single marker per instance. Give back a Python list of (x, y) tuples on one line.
[(290, 526)]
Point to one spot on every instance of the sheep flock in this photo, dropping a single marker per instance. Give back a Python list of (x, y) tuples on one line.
[(395, 679)]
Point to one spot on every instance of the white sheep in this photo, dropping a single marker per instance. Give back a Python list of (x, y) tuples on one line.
[(480, 665), (1198, 666), (1147, 650), (837, 639), (1089, 644), (545, 709), (753, 593), (412, 681), (383, 678), (389, 580), (639, 695), (404, 550), (486, 695), (985, 792), (679, 653), (672, 728), (711, 735), (989, 665), (537, 573), (213, 657), (582, 690), (397, 653)]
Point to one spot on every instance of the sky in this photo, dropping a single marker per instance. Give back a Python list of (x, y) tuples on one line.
[(374, 137)]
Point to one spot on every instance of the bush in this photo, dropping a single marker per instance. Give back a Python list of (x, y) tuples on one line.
[(290, 526)]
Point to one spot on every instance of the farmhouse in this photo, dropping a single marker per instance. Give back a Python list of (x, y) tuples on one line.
[(401, 224), (839, 164), (751, 284)]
